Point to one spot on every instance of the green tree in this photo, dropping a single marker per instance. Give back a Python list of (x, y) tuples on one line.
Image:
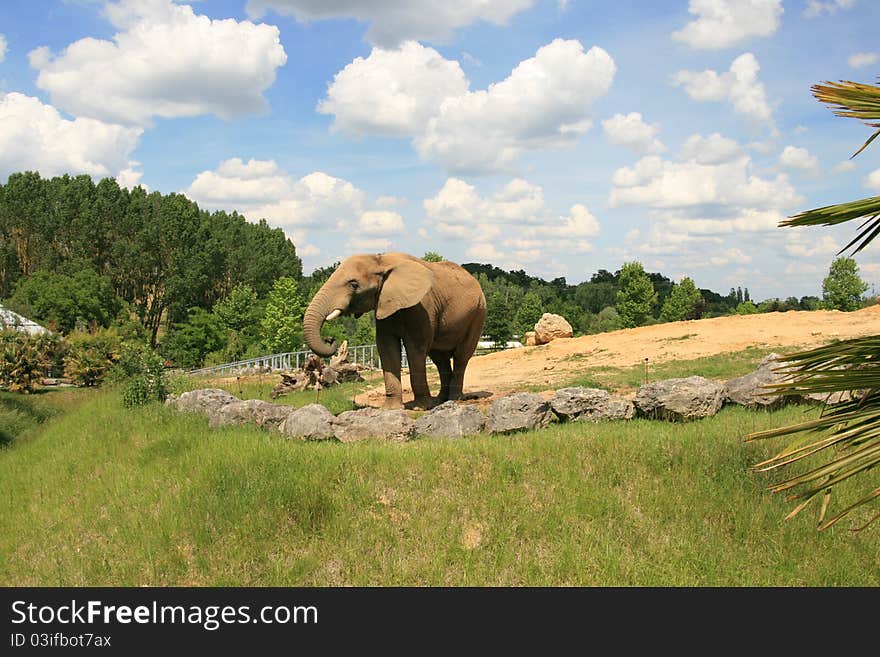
[(188, 342), (746, 308), (281, 327), (60, 300), (682, 302), (842, 289), (529, 312), (365, 330), (605, 320), (847, 434), (498, 326), (635, 295), (432, 256), (238, 311)]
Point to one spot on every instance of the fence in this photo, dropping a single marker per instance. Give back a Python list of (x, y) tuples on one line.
[(365, 355)]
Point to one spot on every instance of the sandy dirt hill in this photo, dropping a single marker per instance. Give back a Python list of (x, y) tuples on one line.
[(553, 364)]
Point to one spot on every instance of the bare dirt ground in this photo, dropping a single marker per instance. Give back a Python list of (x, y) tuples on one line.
[(553, 364)]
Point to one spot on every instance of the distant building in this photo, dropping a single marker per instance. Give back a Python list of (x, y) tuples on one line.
[(14, 322)]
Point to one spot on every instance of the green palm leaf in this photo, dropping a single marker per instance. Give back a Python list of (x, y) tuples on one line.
[(847, 433), (853, 100)]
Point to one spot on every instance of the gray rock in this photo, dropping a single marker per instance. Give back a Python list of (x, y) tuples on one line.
[(351, 426), (451, 420), (252, 411), (590, 405), (204, 400), (550, 327), (750, 390), (521, 411), (679, 399), (312, 422), (833, 398)]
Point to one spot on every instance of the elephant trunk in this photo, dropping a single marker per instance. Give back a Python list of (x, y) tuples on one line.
[(313, 320)]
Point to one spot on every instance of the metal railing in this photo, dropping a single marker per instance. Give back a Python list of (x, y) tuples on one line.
[(365, 355)]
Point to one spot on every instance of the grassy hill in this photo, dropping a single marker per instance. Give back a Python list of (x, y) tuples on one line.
[(99, 495)]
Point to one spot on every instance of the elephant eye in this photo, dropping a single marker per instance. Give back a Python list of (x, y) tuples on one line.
[(353, 284)]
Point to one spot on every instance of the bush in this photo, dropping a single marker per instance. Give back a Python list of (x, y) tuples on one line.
[(91, 355), (141, 371), (187, 343), (21, 364)]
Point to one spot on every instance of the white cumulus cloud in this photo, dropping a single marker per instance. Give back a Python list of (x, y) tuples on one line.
[(394, 21), (873, 180), (165, 61), (713, 149), (795, 157), (631, 131), (739, 85), (392, 92), (259, 189), (690, 182), (34, 136), (816, 8), (380, 222), (862, 59), (724, 23), (413, 92), (515, 216), (544, 103)]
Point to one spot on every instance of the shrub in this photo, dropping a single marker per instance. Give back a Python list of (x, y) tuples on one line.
[(141, 371), (21, 364), (91, 355)]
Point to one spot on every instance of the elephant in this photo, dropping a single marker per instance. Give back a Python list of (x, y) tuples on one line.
[(435, 309)]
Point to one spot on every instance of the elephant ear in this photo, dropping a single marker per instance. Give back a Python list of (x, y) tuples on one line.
[(405, 284)]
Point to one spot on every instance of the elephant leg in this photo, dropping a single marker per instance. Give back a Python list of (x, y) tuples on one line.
[(389, 353), (444, 367), (460, 358), (418, 376)]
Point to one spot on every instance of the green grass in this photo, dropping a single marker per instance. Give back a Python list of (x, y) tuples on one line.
[(106, 496), (720, 367), (21, 414)]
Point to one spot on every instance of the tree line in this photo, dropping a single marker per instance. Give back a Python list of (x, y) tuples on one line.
[(211, 287), (75, 251)]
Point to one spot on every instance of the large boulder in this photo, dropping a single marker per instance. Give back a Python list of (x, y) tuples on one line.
[(451, 420), (521, 411), (679, 399), (550, 327), (251, 411), (590, 405), (351, 426), (750, 390), (311, 422), (204, 400)]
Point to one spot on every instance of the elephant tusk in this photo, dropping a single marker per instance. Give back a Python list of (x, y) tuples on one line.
[(336, 313)]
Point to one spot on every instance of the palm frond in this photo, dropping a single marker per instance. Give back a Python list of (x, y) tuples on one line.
[(849, 370), (851, 428), (854, 100), (831, 215)]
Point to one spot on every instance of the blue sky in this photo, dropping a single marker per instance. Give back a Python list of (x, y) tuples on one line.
[(560, 137)]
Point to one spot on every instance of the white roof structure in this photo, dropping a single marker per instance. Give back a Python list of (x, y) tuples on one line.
[(15, 322)]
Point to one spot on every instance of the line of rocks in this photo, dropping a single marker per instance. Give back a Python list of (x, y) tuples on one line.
[(677, 400)]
